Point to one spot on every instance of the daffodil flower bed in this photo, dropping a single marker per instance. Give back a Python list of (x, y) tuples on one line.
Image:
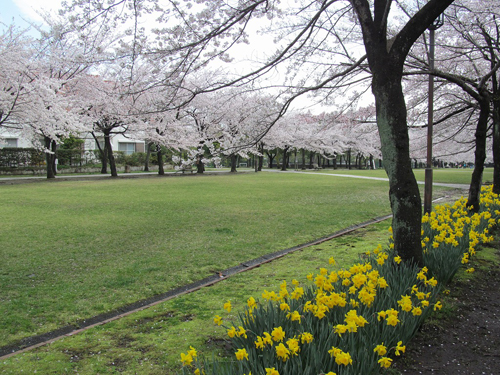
[(352, 321)]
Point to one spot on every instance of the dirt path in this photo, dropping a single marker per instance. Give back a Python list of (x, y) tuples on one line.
[(467, 341)]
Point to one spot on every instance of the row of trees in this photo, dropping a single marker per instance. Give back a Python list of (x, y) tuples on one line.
[(140, 67)]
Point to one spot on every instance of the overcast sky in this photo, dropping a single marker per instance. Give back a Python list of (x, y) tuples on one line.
[(24, 9)]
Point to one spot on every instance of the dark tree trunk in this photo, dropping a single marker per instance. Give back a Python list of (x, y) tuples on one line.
[(103, 154), (159, 155), (311, 160), (261, 157), (111, 158), (371, 162), (200, 166), (271, 156), (348, 161), (50, 157), (303, 159), (233, 163), (285, 159), (403, 193), (148, 156), (496, 135), (104, 160), (480, 152), (335, 162)]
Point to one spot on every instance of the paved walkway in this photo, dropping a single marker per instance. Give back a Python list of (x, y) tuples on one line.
[(455, 186)]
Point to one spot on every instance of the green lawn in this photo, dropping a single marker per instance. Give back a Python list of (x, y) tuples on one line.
[(72, 250)]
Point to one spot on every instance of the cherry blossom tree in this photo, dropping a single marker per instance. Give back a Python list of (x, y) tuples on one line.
[(468, 60), (189, 36), (16, 52), (108, 109)]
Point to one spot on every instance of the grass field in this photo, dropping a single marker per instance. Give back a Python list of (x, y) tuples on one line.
[(72, 250)]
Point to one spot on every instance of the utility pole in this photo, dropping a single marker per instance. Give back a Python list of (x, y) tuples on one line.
[(430, 116)]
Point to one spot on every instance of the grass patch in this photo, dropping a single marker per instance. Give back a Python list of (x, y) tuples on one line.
[(150, 342), (75, 249)]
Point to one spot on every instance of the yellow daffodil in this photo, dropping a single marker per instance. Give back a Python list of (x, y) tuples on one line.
[(186, 359), (306, 337), (272, 371), (294, 316), (241, 354), (282, 352), (231, 332), (252, 303), (284, 306), (278, 334), (259, 344), (380, 349), (385, 362), (400, 348)]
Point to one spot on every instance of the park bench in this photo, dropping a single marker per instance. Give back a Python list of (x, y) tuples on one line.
[(186, 168)]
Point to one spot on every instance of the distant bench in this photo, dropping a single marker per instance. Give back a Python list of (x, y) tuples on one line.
[(186, 168)]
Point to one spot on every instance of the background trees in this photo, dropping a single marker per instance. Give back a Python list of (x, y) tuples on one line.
[(333, 50)]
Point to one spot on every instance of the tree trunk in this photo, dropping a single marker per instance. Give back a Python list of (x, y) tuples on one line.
[(103, 154), (200, 166), (104, 160), (50, 158), (159, 155), (148, 156), (480, 152), (233, 163), (311, 160), (285, 159), (303, 159), (496, 152), (271, 157), (111, 158), (496, 136), (261, 157), (403, 189), (348, 161)]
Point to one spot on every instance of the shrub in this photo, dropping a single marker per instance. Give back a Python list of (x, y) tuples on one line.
[(21, 157)]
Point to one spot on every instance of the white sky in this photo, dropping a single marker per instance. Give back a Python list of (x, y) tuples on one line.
[(19, 10)]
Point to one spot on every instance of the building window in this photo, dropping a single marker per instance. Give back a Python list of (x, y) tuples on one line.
[(8, 142), (127, 148)]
